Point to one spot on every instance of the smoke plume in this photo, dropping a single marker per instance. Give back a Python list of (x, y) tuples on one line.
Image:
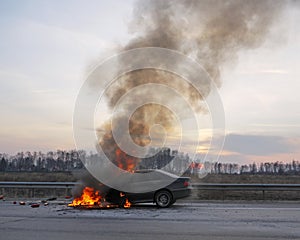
[(212, 32)]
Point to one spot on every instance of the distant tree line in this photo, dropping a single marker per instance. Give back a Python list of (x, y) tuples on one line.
[(65, 161), (59, 161), (273, 168), (167, 159), (172, 161)]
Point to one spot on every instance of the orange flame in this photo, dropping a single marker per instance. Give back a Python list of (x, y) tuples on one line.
[(124, 161), (92, 199), (127, 204), (89, 197)]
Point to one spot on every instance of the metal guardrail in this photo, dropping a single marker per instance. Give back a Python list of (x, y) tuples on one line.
[(36, 189), (63, 185), (222, 187), (199, 186), (246, 187)]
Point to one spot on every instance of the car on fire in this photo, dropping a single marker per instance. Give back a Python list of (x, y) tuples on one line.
[(164, 197)]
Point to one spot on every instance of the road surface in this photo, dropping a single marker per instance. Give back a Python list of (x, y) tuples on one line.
[(199, 221)]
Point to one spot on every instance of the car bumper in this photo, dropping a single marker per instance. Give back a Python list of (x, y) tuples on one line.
[(181, 193)]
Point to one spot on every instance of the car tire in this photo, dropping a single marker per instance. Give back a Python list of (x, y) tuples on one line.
[(122, 202), (163, 199)]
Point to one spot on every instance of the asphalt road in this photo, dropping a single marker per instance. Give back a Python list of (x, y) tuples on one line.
[(182, 221)]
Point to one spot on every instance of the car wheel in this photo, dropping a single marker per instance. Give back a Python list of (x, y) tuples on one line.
[(163, 199), (122, 202)]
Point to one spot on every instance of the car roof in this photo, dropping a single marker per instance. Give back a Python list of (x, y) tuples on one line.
[(158, 171)]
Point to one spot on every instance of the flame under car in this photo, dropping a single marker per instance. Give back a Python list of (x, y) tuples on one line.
[(163, 197)]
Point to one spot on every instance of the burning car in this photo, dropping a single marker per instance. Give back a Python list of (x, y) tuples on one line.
[(163, 197)]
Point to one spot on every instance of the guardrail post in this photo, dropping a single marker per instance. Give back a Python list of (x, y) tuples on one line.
[(223, 195), (67, 190)]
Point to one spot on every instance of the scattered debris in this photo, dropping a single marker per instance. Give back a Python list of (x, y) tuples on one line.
[(51, 199), (35, 205)]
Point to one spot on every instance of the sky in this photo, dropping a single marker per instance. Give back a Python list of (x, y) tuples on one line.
[(48, 47)]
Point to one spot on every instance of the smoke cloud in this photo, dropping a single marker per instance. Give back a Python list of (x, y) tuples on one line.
[(212, 32)]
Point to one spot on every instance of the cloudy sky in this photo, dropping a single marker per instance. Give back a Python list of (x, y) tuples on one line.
[(48, 47)]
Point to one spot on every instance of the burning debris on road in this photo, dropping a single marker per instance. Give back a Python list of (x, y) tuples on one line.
[(91, 198)]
